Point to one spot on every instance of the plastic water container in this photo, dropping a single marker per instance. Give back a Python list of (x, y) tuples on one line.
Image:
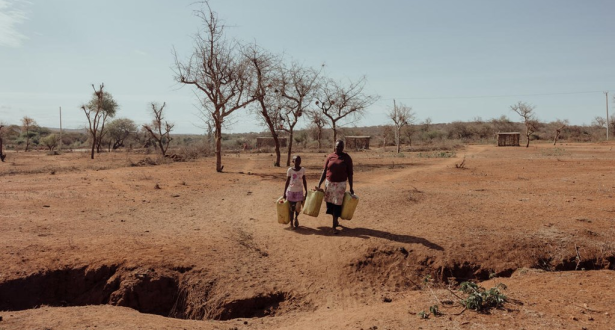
[(313, 201), (283, 207), (349, 205)]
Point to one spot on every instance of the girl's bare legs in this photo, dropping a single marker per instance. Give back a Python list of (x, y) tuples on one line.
[(292, 210)]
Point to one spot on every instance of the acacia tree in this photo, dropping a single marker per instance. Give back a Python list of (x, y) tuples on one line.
[(317, 122), (218, 70), (388, 133), (401, 116), (339, 101), (266, 72), (298, 87), (50, 141), (119, 130), (159, 131), (97, 111), (559, 126), (26, 125), (526, 112)]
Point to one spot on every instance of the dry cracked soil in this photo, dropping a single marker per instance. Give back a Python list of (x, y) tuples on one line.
[(120, 243)]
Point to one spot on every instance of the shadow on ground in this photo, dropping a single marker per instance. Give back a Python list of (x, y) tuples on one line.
[(366, 233)]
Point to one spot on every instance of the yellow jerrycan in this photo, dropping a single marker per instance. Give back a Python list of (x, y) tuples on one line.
[(349, 205), (312, 202), (283, 207)]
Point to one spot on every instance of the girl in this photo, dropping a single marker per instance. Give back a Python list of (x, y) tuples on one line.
[(293, 192)]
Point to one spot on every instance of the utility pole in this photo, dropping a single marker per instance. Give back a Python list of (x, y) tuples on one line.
[(60, 129), (607, 114)]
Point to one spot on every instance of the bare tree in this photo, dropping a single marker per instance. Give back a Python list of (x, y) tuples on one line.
[(559, 126), (401, 115), (160, 129), (266, 73), (26, 125), (339, 101), (526, 112), (298, 87), (217, 69), (318, 122), (97, 111)]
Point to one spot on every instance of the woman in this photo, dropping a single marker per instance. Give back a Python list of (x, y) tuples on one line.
[(338, 169)]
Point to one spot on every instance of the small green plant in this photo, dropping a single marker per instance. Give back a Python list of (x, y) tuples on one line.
[(480, 299), (435, 310), (424, 315)]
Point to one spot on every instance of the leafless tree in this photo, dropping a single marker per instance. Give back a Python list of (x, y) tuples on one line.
[(97, 111), (559, 126), (26, 124), (298, 87), (160, 129), (317, 122), (401, 115), (339, 101), (266, 71), (218, 70), (526, 112), (599, 122)]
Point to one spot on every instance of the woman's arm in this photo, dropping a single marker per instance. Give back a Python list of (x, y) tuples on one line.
[(324, 174), (350, 183), (350, 172), (322, 177), (305, 184)]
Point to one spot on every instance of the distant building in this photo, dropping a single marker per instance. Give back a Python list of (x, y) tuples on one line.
[(268, 141), (508, 139), (357, 142)]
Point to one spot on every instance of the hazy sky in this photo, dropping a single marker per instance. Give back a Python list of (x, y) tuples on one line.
[(448, 60)]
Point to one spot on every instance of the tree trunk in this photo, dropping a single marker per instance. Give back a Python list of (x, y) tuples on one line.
[(319, 136), (397, 137), (334, 127), (273, 132), (290, 146), (528, 140), (277, 150), (162, 150), (93, 146), (218, 138)]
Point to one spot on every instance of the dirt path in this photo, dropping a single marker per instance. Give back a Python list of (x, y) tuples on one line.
[(182, 240)]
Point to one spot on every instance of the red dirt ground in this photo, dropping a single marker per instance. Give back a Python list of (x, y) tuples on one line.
[(102, 244)]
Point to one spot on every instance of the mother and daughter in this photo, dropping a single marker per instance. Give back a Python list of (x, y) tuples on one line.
[(337, 170)]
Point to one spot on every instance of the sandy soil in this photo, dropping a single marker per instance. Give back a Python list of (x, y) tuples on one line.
[(103, 244)]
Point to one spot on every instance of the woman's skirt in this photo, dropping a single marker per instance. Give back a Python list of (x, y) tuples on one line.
[(334, 196)]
